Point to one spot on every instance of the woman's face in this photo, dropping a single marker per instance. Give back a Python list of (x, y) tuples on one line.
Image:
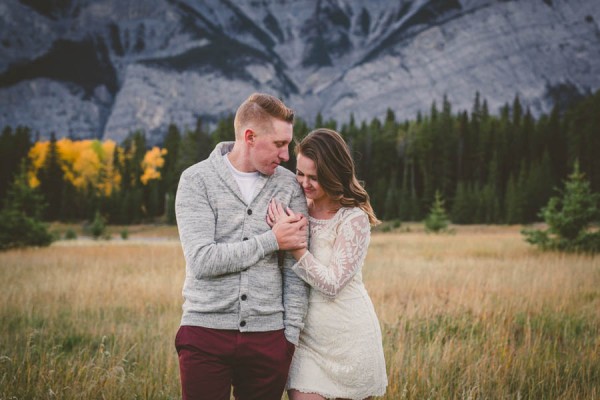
[(306, 174)]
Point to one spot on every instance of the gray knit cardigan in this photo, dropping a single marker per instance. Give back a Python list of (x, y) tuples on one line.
[(233, 280)]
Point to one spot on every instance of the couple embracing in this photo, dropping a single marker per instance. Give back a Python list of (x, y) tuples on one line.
[(266, 308)]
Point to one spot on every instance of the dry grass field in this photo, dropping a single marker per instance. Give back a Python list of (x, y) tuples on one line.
[(475, 315)]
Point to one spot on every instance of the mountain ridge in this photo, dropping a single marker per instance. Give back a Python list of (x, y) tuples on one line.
[(105, 68)]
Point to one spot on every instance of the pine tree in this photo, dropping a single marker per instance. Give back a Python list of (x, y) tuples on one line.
[(194, 147), (462, 146), (6, 162), (583, 122), (98, 226), (14, 146), (170, 174), (152, 199), (51, 181), (465, 204), (20, 218), (556, 142), (489, 205), (569, 218), (132, 207), (390, 207), (170, 208), (447, 142), (224, 131), (114, 201), (517, 112), (172, 144), (538, 188), (516, 196), (437, 220), (319, 120)]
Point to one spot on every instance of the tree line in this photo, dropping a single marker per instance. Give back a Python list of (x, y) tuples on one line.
[(487, 168)]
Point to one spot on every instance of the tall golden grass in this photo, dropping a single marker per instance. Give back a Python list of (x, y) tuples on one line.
[(475, 315)]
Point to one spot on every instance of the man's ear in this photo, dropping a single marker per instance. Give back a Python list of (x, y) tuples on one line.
[(249, 136)]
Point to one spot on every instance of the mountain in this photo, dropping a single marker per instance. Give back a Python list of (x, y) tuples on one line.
[(103, 68)]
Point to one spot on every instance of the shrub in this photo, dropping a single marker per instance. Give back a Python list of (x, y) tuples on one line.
[(70, 234), (20, 230), (98, 227)]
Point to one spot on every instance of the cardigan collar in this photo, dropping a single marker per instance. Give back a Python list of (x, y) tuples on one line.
[(227, 177)]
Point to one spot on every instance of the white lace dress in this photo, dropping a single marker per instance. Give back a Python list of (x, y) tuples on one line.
[(340, 352)]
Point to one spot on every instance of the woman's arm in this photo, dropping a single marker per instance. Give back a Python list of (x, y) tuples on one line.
[(347, 257)]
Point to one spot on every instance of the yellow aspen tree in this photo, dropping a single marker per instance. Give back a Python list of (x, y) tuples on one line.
[(37, 156), (152, 162)]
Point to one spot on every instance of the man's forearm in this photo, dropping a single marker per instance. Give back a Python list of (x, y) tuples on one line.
[(214, 259)]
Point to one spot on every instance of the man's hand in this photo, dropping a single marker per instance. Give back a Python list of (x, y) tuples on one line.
[(289, 228)]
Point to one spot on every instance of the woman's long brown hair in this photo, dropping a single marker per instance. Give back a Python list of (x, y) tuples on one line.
[(335, 169)]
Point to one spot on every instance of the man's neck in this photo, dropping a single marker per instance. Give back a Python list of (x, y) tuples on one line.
[(239, 159)]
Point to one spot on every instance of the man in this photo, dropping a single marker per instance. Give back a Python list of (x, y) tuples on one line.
[(242, 313)]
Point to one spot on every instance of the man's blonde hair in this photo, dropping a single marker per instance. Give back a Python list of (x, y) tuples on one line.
[(257, 111)]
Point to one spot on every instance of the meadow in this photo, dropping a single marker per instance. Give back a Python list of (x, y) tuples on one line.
[(478, 314)]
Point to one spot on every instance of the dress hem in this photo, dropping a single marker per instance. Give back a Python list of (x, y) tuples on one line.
[(371, 393)]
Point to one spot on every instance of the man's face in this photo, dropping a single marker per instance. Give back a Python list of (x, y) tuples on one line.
[(269, 146)]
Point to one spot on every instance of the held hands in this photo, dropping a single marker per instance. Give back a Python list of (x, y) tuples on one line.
[(289, 228)]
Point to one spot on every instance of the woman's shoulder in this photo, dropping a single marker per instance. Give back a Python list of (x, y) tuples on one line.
[(348, 213), (342, 216)]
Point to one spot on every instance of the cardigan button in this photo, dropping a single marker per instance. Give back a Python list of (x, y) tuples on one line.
[(243, 323), (249, 212), (244, 297)]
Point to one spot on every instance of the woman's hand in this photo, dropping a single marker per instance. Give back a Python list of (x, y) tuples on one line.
[(276, 213), (277, 217)]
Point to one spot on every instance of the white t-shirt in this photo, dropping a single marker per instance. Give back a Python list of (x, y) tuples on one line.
[(246, 180)]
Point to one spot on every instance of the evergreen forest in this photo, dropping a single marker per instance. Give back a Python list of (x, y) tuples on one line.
[(489, 168)]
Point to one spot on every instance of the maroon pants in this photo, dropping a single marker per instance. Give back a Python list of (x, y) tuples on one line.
[(212, 360)]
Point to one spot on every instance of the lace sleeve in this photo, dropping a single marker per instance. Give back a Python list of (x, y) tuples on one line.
[(348, 254)]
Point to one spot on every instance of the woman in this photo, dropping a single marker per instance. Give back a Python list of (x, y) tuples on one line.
[(340, 353)]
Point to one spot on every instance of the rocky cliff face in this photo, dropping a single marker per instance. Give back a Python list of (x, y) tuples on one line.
[(103, 68)]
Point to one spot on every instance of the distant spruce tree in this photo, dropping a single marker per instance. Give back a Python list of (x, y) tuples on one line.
[(437, 220), (196, 146), (515, 198), (465, 204), (20, 218), (7, 163), (572, 218), (98, 226), (171, 144), (51, 181), (132, 201), (14, 146), (170, 176)]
